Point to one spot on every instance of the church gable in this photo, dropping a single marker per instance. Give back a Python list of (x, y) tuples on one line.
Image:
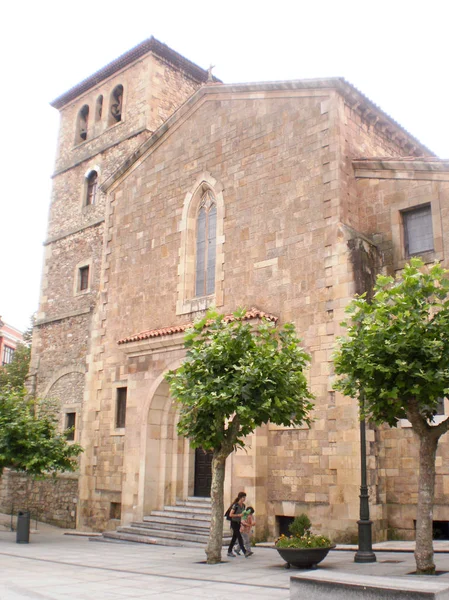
[(226, 156)]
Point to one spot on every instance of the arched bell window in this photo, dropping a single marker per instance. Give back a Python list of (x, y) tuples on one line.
[(116, 105), (83, 121), (206, 234)]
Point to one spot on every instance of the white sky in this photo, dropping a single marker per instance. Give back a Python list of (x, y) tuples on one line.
[(394, 51)]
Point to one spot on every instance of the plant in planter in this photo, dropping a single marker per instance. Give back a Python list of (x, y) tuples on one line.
[(302, 548)]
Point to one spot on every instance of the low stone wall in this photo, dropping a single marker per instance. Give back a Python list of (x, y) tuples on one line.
[(51, 500)]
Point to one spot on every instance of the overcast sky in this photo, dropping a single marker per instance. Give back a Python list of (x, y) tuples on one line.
[(395, 52)]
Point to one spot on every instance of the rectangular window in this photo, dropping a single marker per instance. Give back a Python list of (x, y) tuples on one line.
[(70, 420), (83, 278), (120, 413), (8, 354), (418, 231), (115, 511)]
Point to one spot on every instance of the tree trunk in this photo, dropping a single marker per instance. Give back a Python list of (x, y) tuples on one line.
[(215, 542), (428, 443)]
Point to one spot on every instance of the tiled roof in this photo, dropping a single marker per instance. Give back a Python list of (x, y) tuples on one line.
[(149, 45), (254, 313)]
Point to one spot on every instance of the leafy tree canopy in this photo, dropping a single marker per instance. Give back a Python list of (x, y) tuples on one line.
[(13, 375), (396, 352), (29, 439), (236, 377)]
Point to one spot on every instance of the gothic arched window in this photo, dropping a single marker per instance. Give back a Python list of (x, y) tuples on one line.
[(206, 248)]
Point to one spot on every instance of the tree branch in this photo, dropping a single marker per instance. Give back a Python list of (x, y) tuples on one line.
[(419, 423), (442, 427)]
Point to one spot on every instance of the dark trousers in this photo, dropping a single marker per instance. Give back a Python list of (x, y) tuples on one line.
[(236, 536)]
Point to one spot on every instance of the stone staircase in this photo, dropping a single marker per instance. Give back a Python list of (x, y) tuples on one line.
[(185, 524)]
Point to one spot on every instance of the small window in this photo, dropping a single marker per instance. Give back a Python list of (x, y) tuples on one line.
[(418, 231), (83, 121), (115, 511), (120, 413), (92, 180), (83, 279), (70, 421), (116, 103), (99, 108), (8, 354)]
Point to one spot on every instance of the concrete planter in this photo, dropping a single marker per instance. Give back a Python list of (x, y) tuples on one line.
[(303, 558)]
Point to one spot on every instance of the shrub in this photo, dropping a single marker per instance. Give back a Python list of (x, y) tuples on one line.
[(302, 537), (300, 526)]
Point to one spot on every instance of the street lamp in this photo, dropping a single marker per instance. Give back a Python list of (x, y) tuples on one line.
[(365, 552)]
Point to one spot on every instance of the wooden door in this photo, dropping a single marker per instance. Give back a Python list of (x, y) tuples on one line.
[(203, 473)]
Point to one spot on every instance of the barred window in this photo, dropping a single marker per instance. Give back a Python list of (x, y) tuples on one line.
[(206, 246), (418, 231)]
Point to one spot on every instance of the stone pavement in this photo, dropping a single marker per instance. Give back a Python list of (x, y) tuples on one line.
[(62, 567)]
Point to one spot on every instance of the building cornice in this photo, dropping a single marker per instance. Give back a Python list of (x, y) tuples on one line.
[(367, 110), (424, 168)]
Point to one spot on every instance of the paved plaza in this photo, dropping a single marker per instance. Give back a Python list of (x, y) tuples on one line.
[(61, 567)]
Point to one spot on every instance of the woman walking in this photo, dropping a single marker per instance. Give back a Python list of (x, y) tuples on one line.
[(237, 509)]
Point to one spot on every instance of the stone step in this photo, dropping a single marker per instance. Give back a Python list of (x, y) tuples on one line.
[(169, 535), (190, 503), (144, 539), (199, 499), (193, 529), (195, 510), (174, 515), (185, 524)]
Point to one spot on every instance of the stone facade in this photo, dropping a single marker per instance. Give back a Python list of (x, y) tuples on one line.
[(52, 500), (304, 221)]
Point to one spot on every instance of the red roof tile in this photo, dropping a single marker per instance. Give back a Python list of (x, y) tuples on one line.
[(254, 313)]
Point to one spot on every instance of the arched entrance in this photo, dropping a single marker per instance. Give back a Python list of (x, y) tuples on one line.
[(170, 470)]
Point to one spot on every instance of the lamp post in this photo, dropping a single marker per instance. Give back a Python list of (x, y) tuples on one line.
[(365, 552)]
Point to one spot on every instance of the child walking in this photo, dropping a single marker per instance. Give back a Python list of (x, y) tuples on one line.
[(247, 523)]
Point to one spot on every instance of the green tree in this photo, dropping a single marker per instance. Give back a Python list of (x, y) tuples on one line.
[(236, 377), (395, 360), (29, 437), (14, 374)]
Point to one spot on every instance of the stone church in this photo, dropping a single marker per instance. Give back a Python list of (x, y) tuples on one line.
[(173, 192)]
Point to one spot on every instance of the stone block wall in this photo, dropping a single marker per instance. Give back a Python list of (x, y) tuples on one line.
[(52, 500), (284, 252), (384, 191)]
